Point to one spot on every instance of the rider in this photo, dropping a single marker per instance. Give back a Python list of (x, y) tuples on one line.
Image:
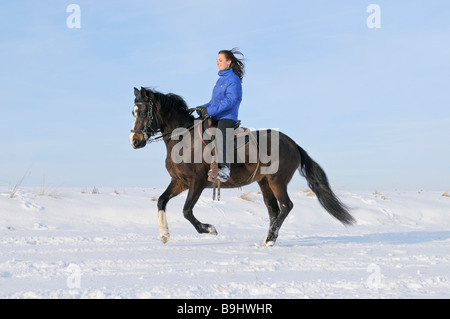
[(224, 104)]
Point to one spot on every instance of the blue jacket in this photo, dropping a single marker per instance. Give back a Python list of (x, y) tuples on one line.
[(226, 96)]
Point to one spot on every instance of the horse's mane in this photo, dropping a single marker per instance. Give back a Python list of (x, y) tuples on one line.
[(172, 102)]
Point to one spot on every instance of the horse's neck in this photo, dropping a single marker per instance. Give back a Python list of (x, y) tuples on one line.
[(177, 124), (175, 127), (178, 135)]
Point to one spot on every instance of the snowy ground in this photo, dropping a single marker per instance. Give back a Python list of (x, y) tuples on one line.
[(69, 243)]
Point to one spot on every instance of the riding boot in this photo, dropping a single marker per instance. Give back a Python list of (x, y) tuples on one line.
[(224, 173)]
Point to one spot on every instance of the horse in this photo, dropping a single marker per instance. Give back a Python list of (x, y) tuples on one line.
[(166, 117)]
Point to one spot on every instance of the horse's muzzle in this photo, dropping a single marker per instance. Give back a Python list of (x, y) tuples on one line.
[(137, 140)]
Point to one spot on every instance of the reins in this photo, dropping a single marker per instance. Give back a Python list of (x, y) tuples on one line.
[(163, 136)]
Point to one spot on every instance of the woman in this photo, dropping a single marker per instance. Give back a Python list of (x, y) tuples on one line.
[(224, 106)]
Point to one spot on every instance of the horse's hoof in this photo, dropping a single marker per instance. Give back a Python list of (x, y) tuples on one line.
[(212, 230), (269, 243), (165, 238)]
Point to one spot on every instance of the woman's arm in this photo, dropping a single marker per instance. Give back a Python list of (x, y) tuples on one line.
[(232, 95)]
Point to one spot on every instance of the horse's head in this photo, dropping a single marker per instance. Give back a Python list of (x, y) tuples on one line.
[(146, 122)]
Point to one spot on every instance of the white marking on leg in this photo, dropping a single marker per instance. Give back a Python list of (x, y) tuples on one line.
[(163, 227)]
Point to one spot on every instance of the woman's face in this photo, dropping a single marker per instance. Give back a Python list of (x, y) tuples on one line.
[(222, 62)]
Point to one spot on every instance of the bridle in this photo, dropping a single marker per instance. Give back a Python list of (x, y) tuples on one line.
[(148, 130), (149, 116)]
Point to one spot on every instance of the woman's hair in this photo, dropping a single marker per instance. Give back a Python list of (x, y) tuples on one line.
[(237, 65)]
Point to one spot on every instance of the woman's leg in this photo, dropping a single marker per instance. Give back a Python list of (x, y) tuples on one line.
[(224, 147)]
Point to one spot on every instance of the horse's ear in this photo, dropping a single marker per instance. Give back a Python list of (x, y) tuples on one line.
[(136, 92), (143, 92)]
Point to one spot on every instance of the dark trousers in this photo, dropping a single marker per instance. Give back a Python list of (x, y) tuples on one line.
[(224, 143)]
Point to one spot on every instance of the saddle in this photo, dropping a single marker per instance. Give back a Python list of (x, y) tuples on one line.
[(241, 134)]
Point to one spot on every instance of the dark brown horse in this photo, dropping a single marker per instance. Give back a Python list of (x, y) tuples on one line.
[(166, 117)]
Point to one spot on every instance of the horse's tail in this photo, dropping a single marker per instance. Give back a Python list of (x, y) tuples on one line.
[(318, 182)]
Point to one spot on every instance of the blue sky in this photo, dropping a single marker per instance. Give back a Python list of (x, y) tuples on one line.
[(370, 105)]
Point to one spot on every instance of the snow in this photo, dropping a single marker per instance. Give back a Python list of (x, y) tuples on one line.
[(71, 243)]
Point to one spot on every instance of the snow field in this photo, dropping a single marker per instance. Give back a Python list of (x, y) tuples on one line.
[(74, 244)]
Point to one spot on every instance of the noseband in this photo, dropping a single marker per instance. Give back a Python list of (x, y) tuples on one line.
[(149, 116)]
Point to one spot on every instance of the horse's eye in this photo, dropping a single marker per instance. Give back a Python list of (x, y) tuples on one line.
[(142, 114)]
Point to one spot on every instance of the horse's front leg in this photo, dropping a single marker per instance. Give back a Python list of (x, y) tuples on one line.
[(195, 190), (174, 189)]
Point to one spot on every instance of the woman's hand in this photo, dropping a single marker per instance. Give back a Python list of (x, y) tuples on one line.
[(202, 111)]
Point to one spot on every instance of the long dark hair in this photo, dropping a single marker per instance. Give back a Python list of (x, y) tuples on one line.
[(237, 65)]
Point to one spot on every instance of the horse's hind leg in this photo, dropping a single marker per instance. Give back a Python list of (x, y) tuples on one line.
[(270, 200), (280, 192), (195, 190), (174, 189)]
